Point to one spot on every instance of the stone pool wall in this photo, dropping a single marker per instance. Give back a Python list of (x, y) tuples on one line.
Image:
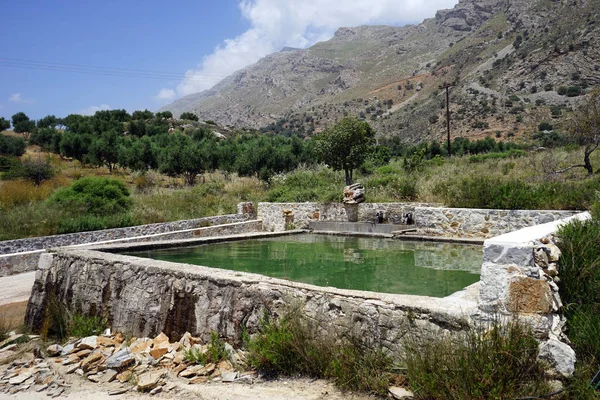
[(22, 255), (519, 276), (144, 297), (429, 220)]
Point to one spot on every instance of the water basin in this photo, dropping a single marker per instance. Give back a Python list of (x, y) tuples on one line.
[(371, 264)]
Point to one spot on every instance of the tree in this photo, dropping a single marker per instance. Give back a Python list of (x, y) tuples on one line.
[(37, 169), (105, 150), (22, 124), (189, 116), (49, 121), (345, 145), (164, 114), (146, 114), (4, 124), (585, 127), (183, 157)]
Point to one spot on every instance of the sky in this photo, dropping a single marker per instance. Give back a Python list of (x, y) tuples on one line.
[(59, 57)]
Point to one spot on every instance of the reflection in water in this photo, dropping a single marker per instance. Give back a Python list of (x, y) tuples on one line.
[(378, 265)]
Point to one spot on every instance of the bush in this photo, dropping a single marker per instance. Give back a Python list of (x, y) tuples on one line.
[(37, 170), (215, 352), (500, 363), (85, 223), (95, 196), (83, 326), (291, 346), (545, 126), (573, 91), (12, 146)]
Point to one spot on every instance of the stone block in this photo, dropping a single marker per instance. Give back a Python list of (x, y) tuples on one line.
[(529, 296)]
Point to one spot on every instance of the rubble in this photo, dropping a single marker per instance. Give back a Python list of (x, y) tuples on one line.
[(144, 364)]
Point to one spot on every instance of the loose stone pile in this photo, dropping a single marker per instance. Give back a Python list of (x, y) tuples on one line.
[(145, 365)]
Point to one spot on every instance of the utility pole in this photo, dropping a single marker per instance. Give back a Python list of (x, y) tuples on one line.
[(447, 86)]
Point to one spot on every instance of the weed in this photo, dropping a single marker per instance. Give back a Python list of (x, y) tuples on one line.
[(82, 326), (215, 351), (290, 346), (498, 364)]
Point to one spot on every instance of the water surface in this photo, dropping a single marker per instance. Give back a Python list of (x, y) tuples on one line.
[(377, 265)]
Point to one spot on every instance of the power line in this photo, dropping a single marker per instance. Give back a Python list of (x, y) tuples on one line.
[(97, 70)]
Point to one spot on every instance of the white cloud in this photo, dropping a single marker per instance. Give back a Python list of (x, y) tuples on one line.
[(17, 98), (91, 110), (165, 94), (298, 23)]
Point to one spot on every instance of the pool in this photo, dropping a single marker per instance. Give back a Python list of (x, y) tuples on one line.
[(370, 264)]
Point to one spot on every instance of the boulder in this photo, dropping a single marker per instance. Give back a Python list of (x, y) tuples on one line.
[(54, 350), (89, 343), (120, 359), (149, 380), (400, 393)]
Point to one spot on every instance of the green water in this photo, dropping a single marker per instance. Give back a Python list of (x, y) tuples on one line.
[(377, 265)]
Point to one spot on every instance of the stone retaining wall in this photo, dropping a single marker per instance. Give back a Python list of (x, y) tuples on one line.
[(429, 220), (17, 263), (519, 276), (469, 222), (272, 214), (144, 297), (46, 242)]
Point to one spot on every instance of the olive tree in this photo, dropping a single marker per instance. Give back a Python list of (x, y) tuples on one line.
[(585, 128), (345, 145)]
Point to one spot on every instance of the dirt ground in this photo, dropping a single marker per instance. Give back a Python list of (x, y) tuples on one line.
[(82, 389)]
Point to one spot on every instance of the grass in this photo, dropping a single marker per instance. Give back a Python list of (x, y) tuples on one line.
[(290, 346), (580, 291), (499, 363), (215, 352)]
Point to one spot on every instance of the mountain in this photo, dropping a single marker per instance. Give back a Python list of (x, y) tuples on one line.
[(514, 63)]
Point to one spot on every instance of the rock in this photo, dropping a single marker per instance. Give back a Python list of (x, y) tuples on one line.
[(54, 350), (185, 340), (10, 347), (67, 349), (197, 380), (529, 295), (72, 359), (120, 359), (160, 340), (41, 388), (83, 353), (156, 390), (90, 343), (158, 352), (228, 376), (22, 377), (11, 339), (540, 257), (191, 371), (73, 368), (105, 341), (400, 393), (149, 380), (552, 270), (119, 337), (117, 391), (94, 378), (225, 366), (124, 376), (560, 356), (354, 194), (87, 363), (553, 251), (109, 375), (140, 345)]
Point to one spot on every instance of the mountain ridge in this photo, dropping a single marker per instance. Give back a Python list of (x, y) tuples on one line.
[(391, 75)]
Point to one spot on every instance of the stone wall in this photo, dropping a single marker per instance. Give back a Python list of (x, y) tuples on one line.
[(519, 276), (272, 214), (469, 222), (46, 242), (429, 220), (145, 297), (17, 263)]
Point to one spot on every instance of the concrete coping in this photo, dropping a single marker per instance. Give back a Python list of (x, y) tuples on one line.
[(532, 233)]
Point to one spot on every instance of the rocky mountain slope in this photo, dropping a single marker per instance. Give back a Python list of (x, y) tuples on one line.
[(515, 63)]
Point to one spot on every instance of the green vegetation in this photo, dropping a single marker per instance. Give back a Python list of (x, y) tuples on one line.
[(580, 292), (215, 351), (290, 346), (497, 363), (82, 326), (345, 145)]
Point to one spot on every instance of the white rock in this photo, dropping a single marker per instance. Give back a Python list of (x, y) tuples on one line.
[(559, 355), (89, 343), (400, 393)]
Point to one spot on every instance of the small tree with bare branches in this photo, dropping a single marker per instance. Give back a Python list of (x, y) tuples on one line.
[(585, 127)]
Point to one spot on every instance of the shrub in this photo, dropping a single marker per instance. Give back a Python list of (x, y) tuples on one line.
[(37, 169), (573, 91), (95, 196), (291, 346), (500, 363), (545, 126), (82, 326), (85, 223), (215, 352)]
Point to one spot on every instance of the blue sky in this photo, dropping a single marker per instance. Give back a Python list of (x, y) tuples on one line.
[(194, 42)]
